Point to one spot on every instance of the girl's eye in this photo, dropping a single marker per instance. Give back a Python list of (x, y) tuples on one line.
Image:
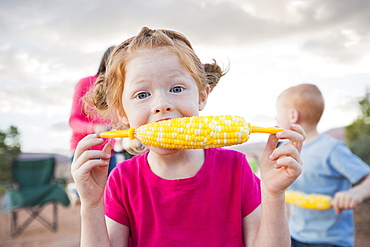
[(142, 95), (177, 89)]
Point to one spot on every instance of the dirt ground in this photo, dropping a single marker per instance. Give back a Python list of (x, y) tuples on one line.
[(362, 223), (68, 234), (36, 234)]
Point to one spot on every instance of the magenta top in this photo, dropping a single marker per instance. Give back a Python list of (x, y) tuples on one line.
[(204, 210)]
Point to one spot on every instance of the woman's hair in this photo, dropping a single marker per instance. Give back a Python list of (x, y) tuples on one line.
[(107, 93), (104, 60)]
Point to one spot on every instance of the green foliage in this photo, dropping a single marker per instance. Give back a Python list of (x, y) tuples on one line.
[(9, 148), (358, 133)]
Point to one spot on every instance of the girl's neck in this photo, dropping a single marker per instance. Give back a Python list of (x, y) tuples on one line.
[(177, 165)]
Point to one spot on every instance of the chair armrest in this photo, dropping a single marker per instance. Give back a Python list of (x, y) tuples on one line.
[(9, 185)]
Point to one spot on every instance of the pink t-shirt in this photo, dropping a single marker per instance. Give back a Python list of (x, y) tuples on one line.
[(80, 123), (204, 210)]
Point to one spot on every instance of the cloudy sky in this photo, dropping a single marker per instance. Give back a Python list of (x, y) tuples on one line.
[(46, 46)]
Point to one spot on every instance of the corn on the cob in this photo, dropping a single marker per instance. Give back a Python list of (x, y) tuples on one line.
[(310, 201), (193, 132)]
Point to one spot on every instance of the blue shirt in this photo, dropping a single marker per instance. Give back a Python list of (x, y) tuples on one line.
[(329, 166)]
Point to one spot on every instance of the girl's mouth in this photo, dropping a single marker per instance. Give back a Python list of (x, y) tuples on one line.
[(164, 119)]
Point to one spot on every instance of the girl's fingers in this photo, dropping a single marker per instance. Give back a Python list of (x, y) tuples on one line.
[(293, 167), (87, 156), (288, 150), (86, 143), (292, 148), (107, 150), (269, 148), (91, 164), (298, 141), (296, 135), (287, 156)]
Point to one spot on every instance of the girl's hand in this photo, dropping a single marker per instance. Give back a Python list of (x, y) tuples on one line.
[(281, 166), (90, 170)]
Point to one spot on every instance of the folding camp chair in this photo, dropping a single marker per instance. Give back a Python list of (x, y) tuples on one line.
[(33, 189)]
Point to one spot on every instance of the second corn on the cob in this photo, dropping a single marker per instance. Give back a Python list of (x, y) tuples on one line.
[(310, 201)]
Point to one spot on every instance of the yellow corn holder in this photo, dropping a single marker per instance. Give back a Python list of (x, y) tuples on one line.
[(193, 132), (309, 201)]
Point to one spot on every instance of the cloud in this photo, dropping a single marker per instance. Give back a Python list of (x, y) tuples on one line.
[(28, 100), (341, 47), (47, 46), (58, 29)]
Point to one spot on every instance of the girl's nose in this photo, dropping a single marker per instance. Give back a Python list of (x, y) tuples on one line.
[(159, 110), (162, 105)]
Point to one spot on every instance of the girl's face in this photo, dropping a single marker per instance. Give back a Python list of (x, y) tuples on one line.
[(158, 87)]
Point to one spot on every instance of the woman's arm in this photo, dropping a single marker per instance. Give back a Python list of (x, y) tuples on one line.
[(78, 120)]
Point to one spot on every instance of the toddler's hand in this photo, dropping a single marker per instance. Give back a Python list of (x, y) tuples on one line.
[(346, 200), (281, 166), (90, 170)]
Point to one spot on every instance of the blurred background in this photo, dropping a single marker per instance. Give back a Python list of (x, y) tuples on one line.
[(46, 46)]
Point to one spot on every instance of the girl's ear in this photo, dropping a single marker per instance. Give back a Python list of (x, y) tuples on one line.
[(203, 96)]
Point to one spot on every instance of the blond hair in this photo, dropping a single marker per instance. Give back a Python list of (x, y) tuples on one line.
[(307, 99)]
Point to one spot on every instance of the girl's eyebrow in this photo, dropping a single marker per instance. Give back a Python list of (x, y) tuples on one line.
[(178, 72), (173, 74), (143, 81)]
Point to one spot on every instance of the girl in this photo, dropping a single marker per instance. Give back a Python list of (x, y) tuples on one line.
[(177, 197)]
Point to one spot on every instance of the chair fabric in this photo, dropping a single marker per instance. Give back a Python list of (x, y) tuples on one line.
[(34, 187)]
